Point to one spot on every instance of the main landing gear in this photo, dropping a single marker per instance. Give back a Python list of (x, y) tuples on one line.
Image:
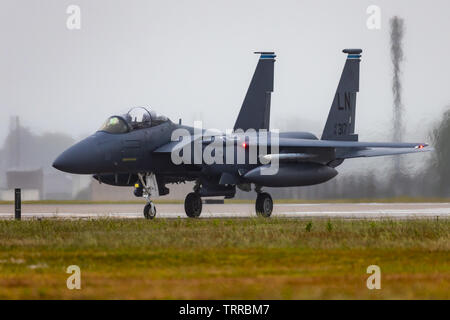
[(264, 204), (193, 205)]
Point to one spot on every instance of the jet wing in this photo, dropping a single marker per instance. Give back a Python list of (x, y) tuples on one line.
[(309, 143), (381, 152), (346, 149)]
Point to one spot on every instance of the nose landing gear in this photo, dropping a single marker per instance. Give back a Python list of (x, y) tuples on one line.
[(149, 210), (148, 188)]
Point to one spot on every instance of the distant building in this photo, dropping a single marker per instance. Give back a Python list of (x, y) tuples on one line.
[(30, 181)]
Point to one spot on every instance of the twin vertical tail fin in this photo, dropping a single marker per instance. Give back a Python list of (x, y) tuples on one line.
[(340, 124), (255, 110)]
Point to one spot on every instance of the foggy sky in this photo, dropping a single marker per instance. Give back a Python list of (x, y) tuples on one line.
[(193, 60)]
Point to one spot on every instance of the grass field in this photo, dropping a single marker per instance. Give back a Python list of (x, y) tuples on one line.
[(225, 258)]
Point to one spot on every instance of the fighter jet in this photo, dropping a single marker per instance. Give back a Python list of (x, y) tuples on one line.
[(149, 151)]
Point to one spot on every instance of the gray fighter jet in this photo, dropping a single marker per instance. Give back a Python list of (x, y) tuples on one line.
[(148, 151)]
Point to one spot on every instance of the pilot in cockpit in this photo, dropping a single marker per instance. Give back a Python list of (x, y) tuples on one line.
[(136, 118)]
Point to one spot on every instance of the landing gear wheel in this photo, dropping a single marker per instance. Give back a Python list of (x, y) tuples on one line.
[(264, 205), (149, 210), (193, 205)]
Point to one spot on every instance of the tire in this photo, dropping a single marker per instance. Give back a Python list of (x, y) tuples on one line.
[(149, 210), (193, 205), (264, 205)]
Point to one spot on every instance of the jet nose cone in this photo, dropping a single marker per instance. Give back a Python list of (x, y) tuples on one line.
[(81, 158), (66, 161), (59, 163)]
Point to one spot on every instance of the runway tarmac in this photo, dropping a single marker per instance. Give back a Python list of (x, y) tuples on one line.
[(289, 210)]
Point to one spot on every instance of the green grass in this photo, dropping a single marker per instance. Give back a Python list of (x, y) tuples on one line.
[(175, 201), (225, 258)]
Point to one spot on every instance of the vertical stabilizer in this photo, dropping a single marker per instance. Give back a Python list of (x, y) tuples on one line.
[(340, 124), (255, 110)]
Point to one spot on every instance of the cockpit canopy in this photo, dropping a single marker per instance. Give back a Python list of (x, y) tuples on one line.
[(136, 118)]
